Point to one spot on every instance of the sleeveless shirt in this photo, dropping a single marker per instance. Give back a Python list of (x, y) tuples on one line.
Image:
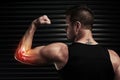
[(87, 62)]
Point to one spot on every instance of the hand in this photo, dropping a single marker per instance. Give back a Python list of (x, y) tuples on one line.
[(42, 20)]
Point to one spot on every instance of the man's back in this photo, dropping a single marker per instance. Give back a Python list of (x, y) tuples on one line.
[(79, 29), (87, 62)]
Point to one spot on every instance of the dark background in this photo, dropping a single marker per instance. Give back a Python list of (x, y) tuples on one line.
[(16, 16)]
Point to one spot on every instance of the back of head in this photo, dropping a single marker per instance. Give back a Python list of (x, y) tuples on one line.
[(82, 14)]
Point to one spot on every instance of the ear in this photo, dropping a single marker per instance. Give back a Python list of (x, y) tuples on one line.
[(77, 27)]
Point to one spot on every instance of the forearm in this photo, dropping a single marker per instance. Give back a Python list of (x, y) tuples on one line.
[(28, 37), (26, 42), (24, 53)]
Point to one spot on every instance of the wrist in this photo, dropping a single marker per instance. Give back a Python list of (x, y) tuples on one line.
[(35, 23)]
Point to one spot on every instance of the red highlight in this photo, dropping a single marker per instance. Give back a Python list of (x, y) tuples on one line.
[(22, 56)]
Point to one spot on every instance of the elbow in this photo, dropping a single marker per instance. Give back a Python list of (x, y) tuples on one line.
[(19, 54), (23, 58), (19, 57)]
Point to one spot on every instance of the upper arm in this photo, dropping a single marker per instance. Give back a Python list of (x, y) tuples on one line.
[(43, 54), (56, 52), (115, 59)]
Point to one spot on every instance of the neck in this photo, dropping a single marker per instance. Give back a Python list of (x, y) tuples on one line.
[(86, 38)]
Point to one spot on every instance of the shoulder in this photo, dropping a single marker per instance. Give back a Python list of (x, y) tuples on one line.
[(57, 50), (113, 54), (115, 59)]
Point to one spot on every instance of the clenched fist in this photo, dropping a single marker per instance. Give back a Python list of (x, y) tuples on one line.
[(42, 20)]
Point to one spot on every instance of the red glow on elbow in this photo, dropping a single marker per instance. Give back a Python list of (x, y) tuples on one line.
[(20, 54)]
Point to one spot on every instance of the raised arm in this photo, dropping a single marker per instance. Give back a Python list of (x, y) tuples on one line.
[(41, 54)]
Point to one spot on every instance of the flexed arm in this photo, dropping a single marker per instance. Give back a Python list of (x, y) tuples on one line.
[(24, 53), (52, 53)]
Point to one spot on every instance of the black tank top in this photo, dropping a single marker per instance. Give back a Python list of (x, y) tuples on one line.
[(87, 62)]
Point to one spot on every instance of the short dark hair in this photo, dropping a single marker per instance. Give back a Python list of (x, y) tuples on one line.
[(81, 13)]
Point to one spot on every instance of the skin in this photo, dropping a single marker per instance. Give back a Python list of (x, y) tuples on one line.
[(57, 53)]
